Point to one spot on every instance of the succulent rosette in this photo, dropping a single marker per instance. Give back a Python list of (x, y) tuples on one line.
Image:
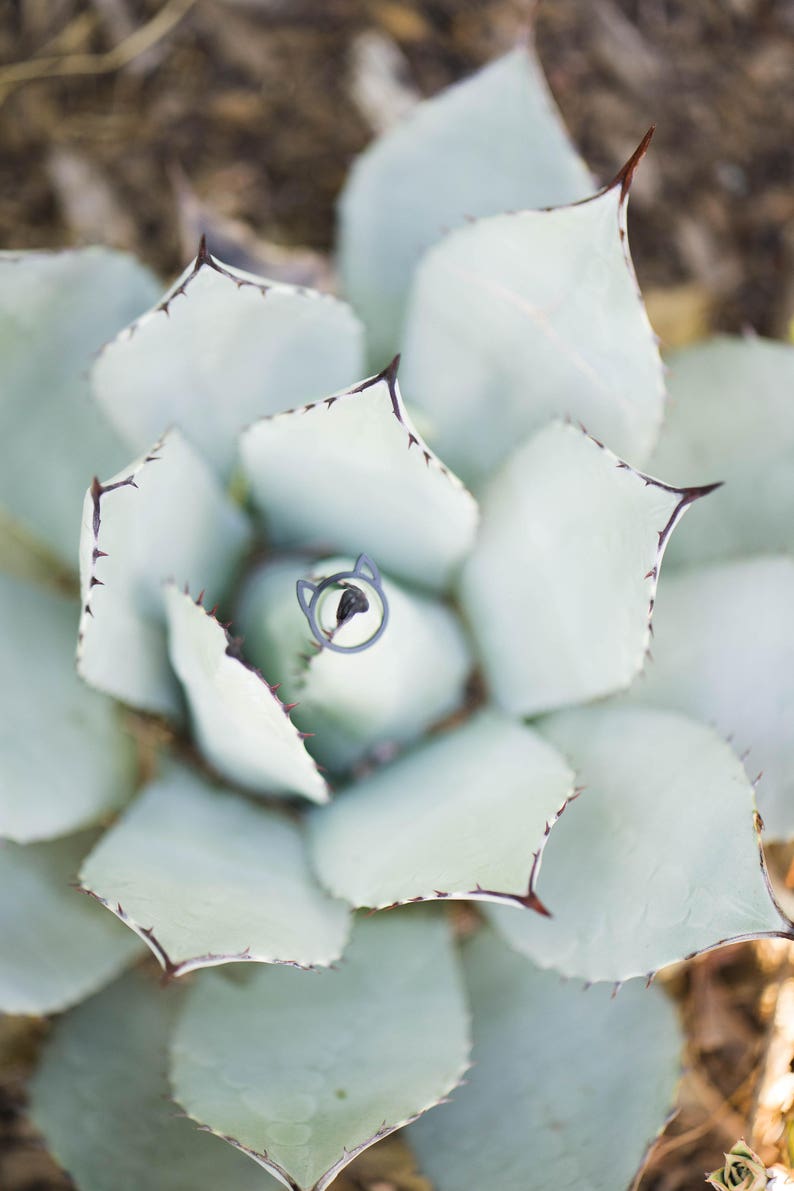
[(352, 636)]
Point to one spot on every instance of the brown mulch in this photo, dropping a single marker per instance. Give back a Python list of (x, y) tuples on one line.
[(247, 109)]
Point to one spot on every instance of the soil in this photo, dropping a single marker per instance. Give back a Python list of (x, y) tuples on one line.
[(243, 116)]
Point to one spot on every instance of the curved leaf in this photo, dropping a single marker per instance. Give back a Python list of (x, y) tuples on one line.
[(521, 318), (206, 877), (465, 816), (724, 652), (100, 1097), (56, 309), (550, 1065), (56, 946), (351, 473), (560, 586), (163, 517), (494, 142), (303, 1071), (239, 723), (222, 348), (659, 858), (355, 704), (64, 759), (730, 416)]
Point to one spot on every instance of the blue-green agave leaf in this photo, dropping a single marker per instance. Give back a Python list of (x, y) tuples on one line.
[(240, 725), (559, 589), (222, 348), (100, 1097), (551, 1065), (659, 857), (353, 473), (494, 142), (465, 816), (730, 417), (165, 516), (56, 310), (303, 1072), (65, 761), (724, 652), (206, 877), (521, 318), (56, 945)]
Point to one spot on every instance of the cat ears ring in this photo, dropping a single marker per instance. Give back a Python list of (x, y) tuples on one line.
[(357, 587)]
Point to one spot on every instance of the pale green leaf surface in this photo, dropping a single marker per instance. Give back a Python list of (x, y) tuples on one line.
[(550, 1065), (412, 676), (559, 587), (730, 417), (724, 651), (100, 1097), (304, 1071), (221, 349), (494, 142), (64, 759), (56, 310), (239, 723), (164, 517), (521, 318), (353, 474), (657, 860), (56, 945), (25, 557), (463, 816), (207, 877)]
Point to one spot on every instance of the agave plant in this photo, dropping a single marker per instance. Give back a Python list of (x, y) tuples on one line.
[(437, 605)]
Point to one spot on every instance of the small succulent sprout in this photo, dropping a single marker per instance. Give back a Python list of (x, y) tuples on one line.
[(743, 1171)]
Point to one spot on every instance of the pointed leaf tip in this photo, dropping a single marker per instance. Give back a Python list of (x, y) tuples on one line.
[(203, 256), (625, 175)]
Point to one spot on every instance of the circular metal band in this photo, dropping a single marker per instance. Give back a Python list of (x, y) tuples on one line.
[(309, 595)]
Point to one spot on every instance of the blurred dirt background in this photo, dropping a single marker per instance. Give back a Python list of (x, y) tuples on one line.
[(139, 123)]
